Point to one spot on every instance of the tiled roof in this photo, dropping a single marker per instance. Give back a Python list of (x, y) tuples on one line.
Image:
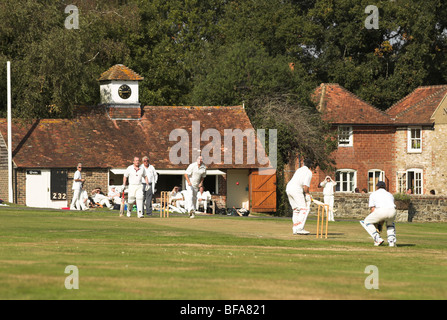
[(99, 142), (120, 72), (341, 106), (418, 106)]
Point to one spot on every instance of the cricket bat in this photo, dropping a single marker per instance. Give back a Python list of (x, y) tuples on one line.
[(122, 205), (317, 202)]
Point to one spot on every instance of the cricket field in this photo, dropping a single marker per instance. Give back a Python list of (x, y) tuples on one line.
[(72, 255)]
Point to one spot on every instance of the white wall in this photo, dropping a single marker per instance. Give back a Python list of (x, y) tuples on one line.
[(109, 92)]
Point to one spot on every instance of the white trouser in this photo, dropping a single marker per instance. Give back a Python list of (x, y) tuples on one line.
[(330, 201), (76, 203), (135, 194), (379, 215), (105, 202), (203, 203), (300, 207), (299, 218), (191, 198), (296, 198)]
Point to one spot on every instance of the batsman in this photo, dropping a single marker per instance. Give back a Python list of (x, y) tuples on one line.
[(383, 211), (299, 197)]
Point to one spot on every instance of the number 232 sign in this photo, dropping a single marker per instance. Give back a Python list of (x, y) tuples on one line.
[(58, 196)]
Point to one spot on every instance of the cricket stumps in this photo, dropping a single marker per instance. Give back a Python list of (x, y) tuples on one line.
[(323, 209), (164, 204)]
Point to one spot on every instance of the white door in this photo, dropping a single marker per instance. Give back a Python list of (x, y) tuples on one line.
[(38, 188)]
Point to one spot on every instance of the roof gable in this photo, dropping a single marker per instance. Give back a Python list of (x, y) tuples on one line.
[(120, 72), (341, 106), (440, 114), (419, 106)]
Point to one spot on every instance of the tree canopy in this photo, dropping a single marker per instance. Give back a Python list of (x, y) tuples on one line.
[(220, 52)]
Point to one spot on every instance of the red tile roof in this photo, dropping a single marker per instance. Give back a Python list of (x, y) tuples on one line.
[(340, 106), (418, 106), (120, 72), (99, 142)]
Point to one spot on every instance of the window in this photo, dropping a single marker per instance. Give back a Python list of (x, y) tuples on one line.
[(401, 181), (344, 136), (374, 176), (346, 180), (414, 139), (410, 179), (414, 180)]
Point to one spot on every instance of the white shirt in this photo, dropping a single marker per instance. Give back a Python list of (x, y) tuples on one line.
[(328, 187), (176, 196), (151, 174), (302, 177), (381, 199), (135, 176), (77, 185), (196, 173), (203, 196), (113, 194), (98, 197)]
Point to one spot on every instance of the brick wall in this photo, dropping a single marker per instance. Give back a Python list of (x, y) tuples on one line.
[(4, 184), (21, 186), (94, 178), (3, 169), (373, 148), (124, 113)]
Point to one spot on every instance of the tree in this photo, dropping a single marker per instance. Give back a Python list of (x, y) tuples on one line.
[(300, 132), (380, 66), (54, 68)]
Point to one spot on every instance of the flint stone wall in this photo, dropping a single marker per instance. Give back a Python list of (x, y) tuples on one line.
[(421, 209)]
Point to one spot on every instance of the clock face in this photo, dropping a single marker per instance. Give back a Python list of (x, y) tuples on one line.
[(124, 91)]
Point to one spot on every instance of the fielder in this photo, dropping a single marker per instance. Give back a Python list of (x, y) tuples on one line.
[(299, 197), (76, 203), (194, 176), (328, 193), (135, 174), (148, 192), (383, 211)]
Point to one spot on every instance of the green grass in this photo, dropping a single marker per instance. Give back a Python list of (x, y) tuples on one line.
[(211, 257)]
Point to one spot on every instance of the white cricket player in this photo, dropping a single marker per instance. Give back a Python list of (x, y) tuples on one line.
[(299, 197), (195, 174), (328, 194), (383, 211), (76, 203), (148, 193), (135, 174)]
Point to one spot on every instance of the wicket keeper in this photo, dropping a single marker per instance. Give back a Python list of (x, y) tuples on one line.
[(383, 211)]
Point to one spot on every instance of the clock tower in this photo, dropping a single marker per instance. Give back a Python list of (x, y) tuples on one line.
[(119, 92)]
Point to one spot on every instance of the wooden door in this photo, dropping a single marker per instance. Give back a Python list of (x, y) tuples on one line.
[(262, 192)]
